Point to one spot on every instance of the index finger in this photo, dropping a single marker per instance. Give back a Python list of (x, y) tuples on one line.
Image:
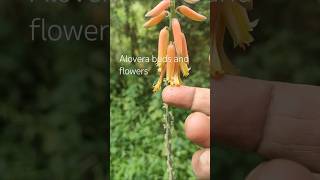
[(196, 99)]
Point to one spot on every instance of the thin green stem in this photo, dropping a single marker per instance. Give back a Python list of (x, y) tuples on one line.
[(173, 8), (168, 144), (172, 12), (168, 118)]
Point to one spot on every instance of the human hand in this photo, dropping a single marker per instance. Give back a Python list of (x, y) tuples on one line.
[(280, 121), (197, 125)]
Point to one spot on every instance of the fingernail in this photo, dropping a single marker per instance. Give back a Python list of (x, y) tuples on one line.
[(205, 158)]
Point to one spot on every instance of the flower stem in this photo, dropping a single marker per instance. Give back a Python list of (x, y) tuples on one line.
[(168, 125), (172, 12), (168, 118)]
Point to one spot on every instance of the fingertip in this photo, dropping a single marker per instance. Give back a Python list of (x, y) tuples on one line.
[(197, 128), (166, 94), (201, 164), (181, 96)]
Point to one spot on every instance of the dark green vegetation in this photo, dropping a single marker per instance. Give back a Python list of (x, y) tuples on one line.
[(52, 100)]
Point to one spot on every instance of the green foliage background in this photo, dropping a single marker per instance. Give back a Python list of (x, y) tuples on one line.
[(137, 150), (52, 95)]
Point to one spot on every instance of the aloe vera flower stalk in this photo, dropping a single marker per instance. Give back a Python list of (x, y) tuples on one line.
[(175, 66), (173, 58), (230, 16)]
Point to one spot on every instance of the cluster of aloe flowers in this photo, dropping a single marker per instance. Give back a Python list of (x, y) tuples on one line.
[(173, 58), (229, 15)]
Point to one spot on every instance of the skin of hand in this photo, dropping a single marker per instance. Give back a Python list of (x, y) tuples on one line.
[(279, 121)]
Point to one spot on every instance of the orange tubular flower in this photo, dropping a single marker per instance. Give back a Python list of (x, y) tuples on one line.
[(232, 16), (176, 80), (184, 59), (157, 86), (185, 53), (156, 20), (191, 14), (176, 29), (171, 58), (162, 47), (163, 5)]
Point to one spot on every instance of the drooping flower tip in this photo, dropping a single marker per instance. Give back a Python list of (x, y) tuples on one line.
[(185, 61), (162, 46), (184, 69), (157, 86), (170, 62), (176, 29), (176, 81), (184, 52)]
